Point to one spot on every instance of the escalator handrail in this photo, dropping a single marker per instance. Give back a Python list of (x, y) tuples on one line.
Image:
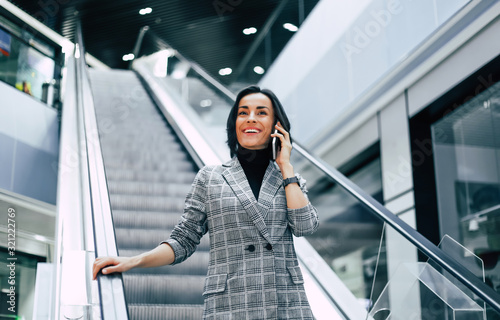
[(111, 290), (457, 270)]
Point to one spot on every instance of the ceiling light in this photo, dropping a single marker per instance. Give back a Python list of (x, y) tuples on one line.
[(258, 70), (145, 11), (225, 71), (205, 103), (249, 31), (290, 27), (128, 57)]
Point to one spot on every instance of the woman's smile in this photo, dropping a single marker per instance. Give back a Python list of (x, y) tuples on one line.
[(252, 131)]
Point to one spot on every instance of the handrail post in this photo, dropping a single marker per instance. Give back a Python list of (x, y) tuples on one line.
[(138, 44)]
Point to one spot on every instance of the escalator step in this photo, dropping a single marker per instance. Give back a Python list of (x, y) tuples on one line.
[(148, 188), (150, 203), (148, 239), (150, 175), (146, 219), (163, 165), (197, 264), (146, 153), (142, 143), (165, 312), (163, 289)]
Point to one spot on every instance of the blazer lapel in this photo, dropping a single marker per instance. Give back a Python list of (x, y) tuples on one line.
[(235, 177)]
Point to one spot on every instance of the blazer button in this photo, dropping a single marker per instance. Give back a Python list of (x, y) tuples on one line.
[(251, 248), (269, 246)]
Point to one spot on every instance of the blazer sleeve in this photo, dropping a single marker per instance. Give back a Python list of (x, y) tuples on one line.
[(187, 234), (303, 221)]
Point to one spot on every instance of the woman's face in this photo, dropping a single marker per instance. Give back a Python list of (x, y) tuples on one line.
[(255, 121)]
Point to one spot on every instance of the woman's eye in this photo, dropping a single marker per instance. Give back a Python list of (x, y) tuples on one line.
[(242, 113), (263, 113)]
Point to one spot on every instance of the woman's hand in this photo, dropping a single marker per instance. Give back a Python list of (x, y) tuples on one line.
[(112, 264), (159, 256), (283, 156)]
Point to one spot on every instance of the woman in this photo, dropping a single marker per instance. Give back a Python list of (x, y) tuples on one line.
[(250, 207)]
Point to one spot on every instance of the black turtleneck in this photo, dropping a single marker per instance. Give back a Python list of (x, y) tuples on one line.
[(254, 163)]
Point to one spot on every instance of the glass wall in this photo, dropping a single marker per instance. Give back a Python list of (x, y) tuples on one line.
[(349, 236), (26, 63), (467, 160)]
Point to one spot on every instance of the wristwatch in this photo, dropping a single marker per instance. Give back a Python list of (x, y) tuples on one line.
[(287, 181)]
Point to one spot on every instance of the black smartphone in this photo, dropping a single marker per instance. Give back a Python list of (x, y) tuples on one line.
[(276, 144)]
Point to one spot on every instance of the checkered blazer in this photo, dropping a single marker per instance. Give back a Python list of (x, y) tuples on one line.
[(253, 271)]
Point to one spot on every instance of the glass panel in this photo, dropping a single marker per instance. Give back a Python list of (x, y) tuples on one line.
[(25, 67), (468, 259), (418, 290), (439, 297), (467, 160), (349, 235)]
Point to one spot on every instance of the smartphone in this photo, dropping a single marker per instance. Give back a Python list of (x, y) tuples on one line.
[(275, 145)]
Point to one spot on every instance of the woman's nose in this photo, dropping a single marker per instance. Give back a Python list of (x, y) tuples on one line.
[(251, 117)]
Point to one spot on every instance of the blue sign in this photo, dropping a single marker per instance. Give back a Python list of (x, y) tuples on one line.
[(5, 39)]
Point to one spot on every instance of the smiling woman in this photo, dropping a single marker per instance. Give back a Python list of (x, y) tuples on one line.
[(250, 207)]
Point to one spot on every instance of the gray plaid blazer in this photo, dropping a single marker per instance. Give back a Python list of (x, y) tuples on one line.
[(253, 271)]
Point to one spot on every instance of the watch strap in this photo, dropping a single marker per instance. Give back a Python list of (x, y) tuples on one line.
[(287, 181)]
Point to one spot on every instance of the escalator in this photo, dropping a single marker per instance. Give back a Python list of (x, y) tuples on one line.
[(148, 174)]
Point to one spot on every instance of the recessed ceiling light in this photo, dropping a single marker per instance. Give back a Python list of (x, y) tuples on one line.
[(225, 71), (145, 11), (249, 31), (290, 27), (258, 70), (205, 103), (128, 57)]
